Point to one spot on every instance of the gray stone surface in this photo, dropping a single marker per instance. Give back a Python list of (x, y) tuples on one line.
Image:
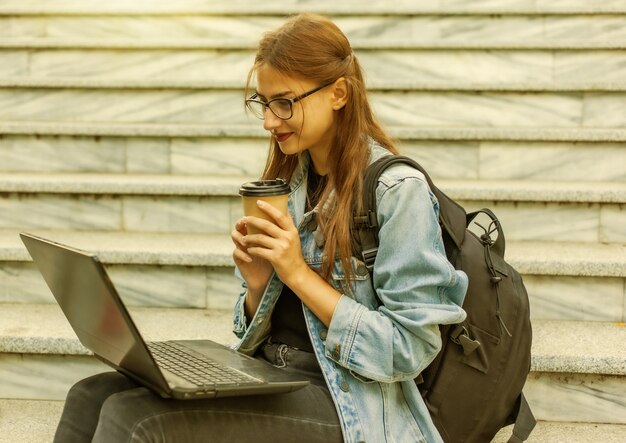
[(402, 7), (533, 161), (558, 346), (43, 329), (577, 259), (136, 248), (536, 258), (376, 31), (572, 397), (28, 421), (414, 109), (558, 432), (67, 82), (579, 347), (191, 185), (129, 184), (238, 131)]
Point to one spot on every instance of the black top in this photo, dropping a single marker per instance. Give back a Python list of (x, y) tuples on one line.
[(288, 324)]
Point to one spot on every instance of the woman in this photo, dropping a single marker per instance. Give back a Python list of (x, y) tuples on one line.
[(300, 310)]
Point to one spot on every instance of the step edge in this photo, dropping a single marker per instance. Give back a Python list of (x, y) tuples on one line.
[(540, 361), (58, 82), (249, 131)]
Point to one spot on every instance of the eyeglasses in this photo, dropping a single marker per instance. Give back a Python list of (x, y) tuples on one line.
[(280, 107)]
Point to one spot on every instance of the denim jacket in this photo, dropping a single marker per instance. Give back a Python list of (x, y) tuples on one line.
[(370, 354)]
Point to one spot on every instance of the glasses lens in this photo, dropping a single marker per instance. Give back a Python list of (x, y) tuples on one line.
[(256, 107), (281, 108)]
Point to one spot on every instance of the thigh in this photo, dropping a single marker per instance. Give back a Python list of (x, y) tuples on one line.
[(138, 415), (83, 403)]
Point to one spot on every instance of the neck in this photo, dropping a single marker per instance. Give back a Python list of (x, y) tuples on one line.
[(320, 161)]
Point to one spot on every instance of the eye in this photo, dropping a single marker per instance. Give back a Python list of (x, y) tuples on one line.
[(281, 107)]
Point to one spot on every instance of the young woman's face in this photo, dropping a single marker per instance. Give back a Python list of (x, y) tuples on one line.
[(312, 125)]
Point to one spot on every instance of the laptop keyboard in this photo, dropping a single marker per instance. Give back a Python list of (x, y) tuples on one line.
[(194, 367)]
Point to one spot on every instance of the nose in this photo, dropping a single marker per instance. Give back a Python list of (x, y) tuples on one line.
[(270, 121)]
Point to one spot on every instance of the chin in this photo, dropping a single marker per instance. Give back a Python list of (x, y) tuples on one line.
[(290, 148)]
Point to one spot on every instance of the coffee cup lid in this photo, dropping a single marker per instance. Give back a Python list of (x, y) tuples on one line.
[(265, 188)]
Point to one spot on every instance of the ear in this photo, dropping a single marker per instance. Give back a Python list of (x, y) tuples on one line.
[(339, 93)]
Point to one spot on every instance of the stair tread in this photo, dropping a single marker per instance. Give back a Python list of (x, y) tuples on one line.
[(247, 131), (356, 43), (43, 329), (539, 258), (132, 248), (141, 184), (558, 346), (94, 82), (558, 432), (204, 185), (399, 7), (26, 421)]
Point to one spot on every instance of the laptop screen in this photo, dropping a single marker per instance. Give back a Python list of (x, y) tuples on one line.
[(88, 299)]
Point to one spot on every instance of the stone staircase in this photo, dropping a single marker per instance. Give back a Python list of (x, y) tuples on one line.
[(122, 131)]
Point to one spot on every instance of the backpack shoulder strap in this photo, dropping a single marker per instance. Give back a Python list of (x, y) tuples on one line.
[(452, 216), (524, 424)]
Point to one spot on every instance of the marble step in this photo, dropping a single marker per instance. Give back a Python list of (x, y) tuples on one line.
[(584, 282), (427, 109), (238, 131), (559, 432), (579, 364), (53, 349), (102, 82), (517, 31), (348, 7), (28, 421), (245, 156), (548, 70), (529, 210), (577, 347)]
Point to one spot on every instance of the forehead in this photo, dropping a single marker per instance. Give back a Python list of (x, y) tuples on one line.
[(271, 82)]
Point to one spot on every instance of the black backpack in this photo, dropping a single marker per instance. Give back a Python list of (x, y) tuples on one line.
[(473, 388)]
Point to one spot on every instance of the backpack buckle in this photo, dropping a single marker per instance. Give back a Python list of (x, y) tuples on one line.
[(461, 337), (368, 221), (369, 256), (372, 220)]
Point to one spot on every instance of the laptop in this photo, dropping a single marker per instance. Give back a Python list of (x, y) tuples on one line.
[(181, 369)]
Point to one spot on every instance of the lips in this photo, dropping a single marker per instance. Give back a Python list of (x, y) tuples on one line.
[(283, 136)]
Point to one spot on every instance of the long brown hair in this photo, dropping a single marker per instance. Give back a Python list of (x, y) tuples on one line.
[(312, 47)]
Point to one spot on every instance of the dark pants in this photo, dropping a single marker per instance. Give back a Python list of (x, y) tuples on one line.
[(110, 407)]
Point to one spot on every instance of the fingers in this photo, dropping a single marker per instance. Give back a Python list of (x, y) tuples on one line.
[(240, 226), (281, 219), (239, 255), (237, 238), (263, 226), (260, 240)]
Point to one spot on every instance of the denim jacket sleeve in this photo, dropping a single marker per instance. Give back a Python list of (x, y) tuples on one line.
[(418, 287), (239, 317)]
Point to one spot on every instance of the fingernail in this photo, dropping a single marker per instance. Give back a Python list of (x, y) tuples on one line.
[(260, 202)]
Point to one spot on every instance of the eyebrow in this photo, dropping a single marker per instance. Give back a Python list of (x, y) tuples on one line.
[(280, 94)]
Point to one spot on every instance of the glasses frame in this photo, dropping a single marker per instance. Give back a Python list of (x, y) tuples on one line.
[(254, 98)]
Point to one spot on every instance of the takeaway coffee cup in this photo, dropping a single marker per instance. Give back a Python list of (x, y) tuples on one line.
[(274, 192)]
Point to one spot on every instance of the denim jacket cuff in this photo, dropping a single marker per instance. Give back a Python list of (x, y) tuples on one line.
[(342, 330), (239, 317)]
